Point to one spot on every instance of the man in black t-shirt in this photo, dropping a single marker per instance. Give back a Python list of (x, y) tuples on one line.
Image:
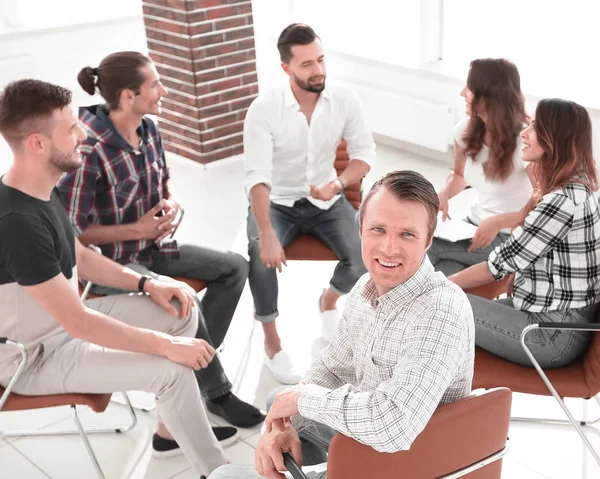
[(118, 343)]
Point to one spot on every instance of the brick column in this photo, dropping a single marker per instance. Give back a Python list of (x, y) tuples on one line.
[(204, 52)]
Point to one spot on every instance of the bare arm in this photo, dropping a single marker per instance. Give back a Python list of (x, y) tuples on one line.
[(99, 269), (106, 234), (473, 276), (59, 299), (455, 182), (260, 204), (354, 172), (148, 226), (270, 250)]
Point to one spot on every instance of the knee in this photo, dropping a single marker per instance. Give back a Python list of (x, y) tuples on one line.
[(239, 267), (173, 375), (228, 471), (191, 321)]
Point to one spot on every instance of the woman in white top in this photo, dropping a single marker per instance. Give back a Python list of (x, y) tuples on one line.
[(487, 157)]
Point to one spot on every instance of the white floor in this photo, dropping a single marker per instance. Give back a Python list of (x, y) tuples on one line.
[(216, 208)]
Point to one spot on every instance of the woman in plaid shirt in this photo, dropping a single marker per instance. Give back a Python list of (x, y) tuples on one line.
[(555, 252)]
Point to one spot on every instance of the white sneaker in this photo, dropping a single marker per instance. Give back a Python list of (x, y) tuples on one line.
[(329, 323), (282, 367)]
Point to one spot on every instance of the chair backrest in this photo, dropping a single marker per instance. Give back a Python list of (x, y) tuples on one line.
[(342, 158), (591, 360), (458, 434)]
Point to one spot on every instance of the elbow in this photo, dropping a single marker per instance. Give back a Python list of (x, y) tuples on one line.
[(76, 325)]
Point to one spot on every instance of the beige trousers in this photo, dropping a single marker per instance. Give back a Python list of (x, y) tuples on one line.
[(62, 364)]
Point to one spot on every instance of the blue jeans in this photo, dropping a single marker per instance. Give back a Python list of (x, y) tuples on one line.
[(451, 257), (225, 273), (337, 227), (498, 328)]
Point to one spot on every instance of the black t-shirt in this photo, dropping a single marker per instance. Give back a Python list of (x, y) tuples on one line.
[(37, 241)]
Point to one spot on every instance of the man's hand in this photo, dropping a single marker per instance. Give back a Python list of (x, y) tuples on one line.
[(270, 251), (162, 294), (268, 458), (284, 407), (191, 352), (443, 197), (486, 232), (170, 206), (325, 192), (151, 226)]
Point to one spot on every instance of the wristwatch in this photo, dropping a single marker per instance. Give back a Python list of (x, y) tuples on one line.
[(142, 282), (339, 182)]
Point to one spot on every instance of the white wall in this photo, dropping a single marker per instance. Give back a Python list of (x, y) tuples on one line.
[(414, 107), (57, 54)]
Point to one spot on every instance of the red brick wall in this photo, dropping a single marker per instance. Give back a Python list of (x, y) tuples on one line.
[(204, 52)]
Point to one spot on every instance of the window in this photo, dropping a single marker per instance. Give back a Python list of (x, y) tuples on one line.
[(554, 44)]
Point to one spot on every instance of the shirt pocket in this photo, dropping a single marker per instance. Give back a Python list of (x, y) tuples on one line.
[(383, 369), (126, 191)]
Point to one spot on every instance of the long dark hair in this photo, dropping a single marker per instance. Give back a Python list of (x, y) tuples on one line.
[(496, 86), (116, 72), (564, 132)]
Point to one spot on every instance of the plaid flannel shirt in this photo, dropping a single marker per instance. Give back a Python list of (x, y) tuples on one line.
[(555, 254), (393, 360), (117, 184)]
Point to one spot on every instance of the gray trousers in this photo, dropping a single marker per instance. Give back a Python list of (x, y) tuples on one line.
[(62, 364), (226, 274), (315, 441), (452, 257), (337, 227), (498, 328)]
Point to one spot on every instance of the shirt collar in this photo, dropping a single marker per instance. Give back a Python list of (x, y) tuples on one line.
[(117, 140), (403, 292), (289, 100)]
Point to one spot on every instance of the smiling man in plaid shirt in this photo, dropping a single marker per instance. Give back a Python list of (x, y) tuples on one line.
[(120, 200), (404, 345)]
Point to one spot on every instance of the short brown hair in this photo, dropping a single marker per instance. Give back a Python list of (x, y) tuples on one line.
[(407, 185), (26, 106), (116, 72), (294, 34)]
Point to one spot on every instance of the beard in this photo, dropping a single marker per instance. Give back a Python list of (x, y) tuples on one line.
[(305, 85), (65, 162)]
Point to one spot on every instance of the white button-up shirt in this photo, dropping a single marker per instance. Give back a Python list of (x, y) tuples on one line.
[(285, 152)]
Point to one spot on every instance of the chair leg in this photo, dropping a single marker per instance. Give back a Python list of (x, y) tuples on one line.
[(86, 441), (91, 430), (577, 425)]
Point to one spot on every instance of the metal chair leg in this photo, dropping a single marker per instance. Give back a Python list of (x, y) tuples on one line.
[(86, 441), (557, 396)]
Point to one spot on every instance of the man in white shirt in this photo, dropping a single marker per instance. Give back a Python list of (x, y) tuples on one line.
[(291, 134)]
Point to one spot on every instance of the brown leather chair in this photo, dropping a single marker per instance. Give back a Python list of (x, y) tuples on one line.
[(309, 248), (491, 290), (97, 402), (580, 379), (466, 438)]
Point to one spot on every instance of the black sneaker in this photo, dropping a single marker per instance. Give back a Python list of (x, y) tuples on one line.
[(163, 448)]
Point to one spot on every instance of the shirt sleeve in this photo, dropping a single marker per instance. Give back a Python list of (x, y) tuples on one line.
[(459, 132), (358, 135), (27, 250), (544, 227), (258, 147), (78, 189), (333, 368), (390, 418)]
